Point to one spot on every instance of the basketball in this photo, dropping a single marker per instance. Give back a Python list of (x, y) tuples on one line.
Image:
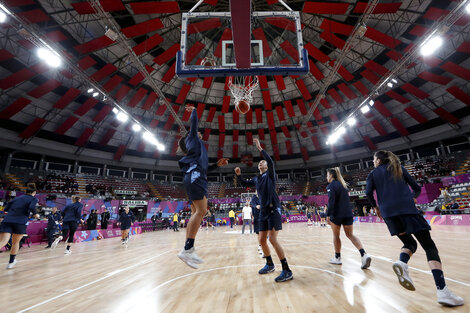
[(242, 107)]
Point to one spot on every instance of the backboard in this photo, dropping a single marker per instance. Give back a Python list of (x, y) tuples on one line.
[(276, 45)]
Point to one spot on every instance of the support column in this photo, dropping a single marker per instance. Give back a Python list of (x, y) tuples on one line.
[(151, 175), (8, 162), (75, 167), (412, 154), (444, 153), (41, 163), (105, 171), (361, 164), (129, 174)]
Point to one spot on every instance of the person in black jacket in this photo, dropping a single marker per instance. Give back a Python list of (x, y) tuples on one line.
[(154, 221), (105, 216), (126, 219), (340, 213), (15, 223), (92, 220), (71, 214), (397, 207), (270, 220), (52, 227)]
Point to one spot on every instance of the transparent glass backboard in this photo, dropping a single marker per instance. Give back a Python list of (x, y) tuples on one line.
[(276, 45)]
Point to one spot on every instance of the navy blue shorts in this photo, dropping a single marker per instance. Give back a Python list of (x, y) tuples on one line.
[(70, 225), (309, 216), (13, 228), (125, 227), (195, 185), (346, 221), (270, 221), (409, 224), (323, 215)]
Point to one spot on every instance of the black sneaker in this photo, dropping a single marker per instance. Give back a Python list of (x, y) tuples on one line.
[(284, 276)]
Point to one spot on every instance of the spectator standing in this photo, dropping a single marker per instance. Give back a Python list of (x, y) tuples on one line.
[(247, 217)]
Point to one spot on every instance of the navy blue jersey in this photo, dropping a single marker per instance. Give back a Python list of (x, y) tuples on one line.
[(20, 208), (253, 203), (265, 186), (197, 153), (338, 200), (72, 212), (126, 219), (53, 219), (394, 195)]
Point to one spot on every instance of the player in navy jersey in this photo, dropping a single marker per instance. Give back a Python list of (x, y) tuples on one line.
[(15, 223), (126, 219), (255, 209), (397, 207), (194, 165), (340, 213), (71, 214), (270, 221)]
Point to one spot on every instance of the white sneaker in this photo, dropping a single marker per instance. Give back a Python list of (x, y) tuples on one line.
[(190, 257), (365, 261), (126, 240), (68, 251), (448, 298), (336, 261), (56, 242), (11, 265), (401, 270)]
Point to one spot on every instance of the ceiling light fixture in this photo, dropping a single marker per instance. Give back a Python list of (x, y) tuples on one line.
[(136, 127), (122, 117), (3, 17), (431, 45), (351, 121), (50, 57), (365, 109)]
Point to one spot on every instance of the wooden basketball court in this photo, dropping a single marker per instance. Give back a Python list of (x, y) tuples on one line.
[(146, 276)]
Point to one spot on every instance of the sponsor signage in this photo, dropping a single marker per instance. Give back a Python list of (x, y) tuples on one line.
[(134, 202), (357, 193), (125, 192)]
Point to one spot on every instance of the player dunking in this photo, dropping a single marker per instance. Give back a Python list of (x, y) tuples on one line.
[(194, 165), (396, 206), (340, 213), (15, 223), (270, 221)]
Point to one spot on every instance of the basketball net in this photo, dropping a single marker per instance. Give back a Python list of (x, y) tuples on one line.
[(209, 61), (246, 196), (242, 87)]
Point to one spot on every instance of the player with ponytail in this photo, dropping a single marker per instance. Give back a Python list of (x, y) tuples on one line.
[(397, 207), (340, 213)]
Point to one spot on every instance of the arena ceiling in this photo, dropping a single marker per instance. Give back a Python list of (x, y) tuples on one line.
[(40, 102)]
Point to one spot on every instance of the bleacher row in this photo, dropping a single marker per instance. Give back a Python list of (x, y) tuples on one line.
[(165, 190)]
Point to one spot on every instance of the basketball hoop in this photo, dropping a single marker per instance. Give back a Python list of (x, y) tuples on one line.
[(242, 88)]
